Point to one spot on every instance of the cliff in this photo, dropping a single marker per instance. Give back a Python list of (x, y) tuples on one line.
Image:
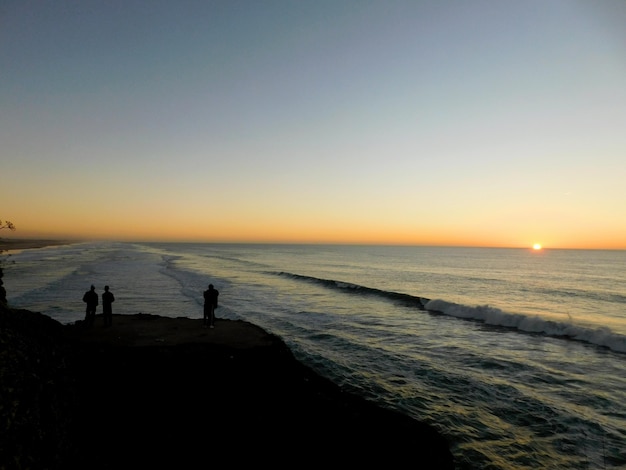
[(164, 391)]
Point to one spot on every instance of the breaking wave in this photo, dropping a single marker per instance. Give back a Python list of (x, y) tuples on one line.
[(486, 314), (531, 324)]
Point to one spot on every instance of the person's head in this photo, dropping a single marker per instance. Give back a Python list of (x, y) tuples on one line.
[(106, 288), (93, 287), (210, 286)]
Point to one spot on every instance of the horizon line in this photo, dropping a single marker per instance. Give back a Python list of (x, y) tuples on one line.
[(65, 240)]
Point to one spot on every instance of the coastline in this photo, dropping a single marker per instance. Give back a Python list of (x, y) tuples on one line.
[(154, 390), (11, 244)]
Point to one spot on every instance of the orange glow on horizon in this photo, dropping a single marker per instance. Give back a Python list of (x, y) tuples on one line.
[(244, 233), (299, 227)]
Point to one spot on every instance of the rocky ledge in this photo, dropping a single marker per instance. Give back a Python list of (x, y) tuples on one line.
[(159, 391)]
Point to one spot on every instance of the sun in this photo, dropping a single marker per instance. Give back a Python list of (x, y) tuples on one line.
[(537, 246)]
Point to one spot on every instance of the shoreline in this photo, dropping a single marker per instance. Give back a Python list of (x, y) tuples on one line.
[(13, 244), (151, 390)]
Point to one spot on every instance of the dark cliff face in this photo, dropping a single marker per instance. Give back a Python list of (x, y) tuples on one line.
[(97, 406), (37, 392)]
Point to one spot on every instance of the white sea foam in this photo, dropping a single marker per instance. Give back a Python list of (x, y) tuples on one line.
[(602, 336)]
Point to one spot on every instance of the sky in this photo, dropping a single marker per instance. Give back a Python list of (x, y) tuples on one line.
[(421, 122)]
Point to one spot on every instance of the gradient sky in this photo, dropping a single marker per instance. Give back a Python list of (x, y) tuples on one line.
[(475, 123)]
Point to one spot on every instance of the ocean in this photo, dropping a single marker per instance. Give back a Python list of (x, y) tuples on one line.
[(518, 357)]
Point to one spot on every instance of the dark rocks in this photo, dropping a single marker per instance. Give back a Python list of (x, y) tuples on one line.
[(101, 405), (37, 393)]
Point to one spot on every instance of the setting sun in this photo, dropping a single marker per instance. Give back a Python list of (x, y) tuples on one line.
[(537, 246)]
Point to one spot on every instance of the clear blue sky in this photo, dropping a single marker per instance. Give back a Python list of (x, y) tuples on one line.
[(498, 123)]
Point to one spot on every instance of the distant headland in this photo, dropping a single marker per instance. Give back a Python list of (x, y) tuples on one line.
[(26, 243)]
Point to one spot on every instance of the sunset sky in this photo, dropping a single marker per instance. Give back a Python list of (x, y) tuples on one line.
[(474, 123)]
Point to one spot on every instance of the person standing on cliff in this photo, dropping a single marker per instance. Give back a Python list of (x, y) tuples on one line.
[(210, 304), (91, 299), (107, 309)]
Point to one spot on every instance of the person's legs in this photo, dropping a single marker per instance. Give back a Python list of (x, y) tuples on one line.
[(90, 316)]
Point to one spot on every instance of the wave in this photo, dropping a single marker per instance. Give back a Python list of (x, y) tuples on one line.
[(405, 299), (603, 336)]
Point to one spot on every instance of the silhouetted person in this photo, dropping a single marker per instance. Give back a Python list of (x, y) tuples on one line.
[(107, 308), (91, 299), (210, 304)]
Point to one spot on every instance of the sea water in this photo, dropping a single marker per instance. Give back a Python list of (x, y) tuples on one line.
[(518, 357)]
